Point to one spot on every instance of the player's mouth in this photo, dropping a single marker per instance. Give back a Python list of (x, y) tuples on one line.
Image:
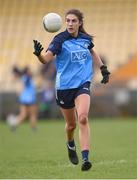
[(70, 29)]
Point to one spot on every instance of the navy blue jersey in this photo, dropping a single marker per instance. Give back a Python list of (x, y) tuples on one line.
[(73, 59)]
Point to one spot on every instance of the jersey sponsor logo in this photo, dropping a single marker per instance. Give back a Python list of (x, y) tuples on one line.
[(61, 102), (78, 56), (86, 88)]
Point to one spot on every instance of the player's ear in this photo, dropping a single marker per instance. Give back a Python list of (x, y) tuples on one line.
[(80, 23)]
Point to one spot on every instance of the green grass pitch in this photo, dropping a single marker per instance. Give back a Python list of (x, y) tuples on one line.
[(43, 154)]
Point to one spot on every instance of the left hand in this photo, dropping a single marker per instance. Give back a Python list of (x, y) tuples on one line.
[(105, 73)]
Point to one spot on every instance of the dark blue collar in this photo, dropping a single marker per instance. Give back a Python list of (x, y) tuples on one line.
[(80, 35)]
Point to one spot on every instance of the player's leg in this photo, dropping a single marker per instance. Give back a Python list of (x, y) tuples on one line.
[(70, 118), (22, 114), (82, 103), (32, 110), (20, 117)]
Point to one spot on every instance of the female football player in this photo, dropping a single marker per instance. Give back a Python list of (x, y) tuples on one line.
[(74, 57)]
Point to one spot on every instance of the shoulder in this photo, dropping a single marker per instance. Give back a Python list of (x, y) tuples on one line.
[(61, 37), (56, 44), (85, 36)]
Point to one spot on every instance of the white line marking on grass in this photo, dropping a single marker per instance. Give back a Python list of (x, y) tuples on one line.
[(121, 161), (66, 165)]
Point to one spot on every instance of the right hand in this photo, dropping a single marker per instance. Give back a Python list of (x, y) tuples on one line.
[(37, 48)]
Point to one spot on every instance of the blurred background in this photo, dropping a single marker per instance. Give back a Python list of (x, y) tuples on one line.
[(113, 23)]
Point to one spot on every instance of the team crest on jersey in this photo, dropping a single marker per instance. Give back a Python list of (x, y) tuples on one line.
[(86, 45), (78, 56)]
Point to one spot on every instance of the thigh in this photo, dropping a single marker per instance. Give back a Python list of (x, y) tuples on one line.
[(23, 110), (82, 104), (32, 110), (69, 115)]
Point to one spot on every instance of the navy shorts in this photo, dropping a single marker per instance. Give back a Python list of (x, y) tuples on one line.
[(66, 98)]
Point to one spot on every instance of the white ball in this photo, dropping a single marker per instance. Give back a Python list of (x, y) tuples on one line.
[(52, 22)]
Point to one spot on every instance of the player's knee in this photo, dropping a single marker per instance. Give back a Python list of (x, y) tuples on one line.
[(83, 118), (22, 116)]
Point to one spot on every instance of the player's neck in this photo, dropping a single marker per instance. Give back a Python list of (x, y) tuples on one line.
[(75, 34)]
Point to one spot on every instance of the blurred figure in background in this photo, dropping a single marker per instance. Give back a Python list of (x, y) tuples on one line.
[(27, 98), (47, 99)]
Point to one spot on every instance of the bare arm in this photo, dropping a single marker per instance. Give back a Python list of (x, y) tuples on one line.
[(46, 57), (96, 58), (105, 73)]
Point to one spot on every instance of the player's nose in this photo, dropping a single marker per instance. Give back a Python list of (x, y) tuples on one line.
[(70, 23)]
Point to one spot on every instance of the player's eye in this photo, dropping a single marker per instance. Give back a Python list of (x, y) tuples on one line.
[(67, 20), (74, 20), (71, 20)]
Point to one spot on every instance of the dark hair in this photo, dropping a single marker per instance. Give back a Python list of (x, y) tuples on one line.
[(80, 16), (17, 71), (21, 72)]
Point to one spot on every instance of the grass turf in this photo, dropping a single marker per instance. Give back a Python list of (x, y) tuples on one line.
[(42, 154)]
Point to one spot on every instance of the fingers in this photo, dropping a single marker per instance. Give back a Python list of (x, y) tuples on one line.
[(37, 43), (105, 79), (41, 49), (37, 47), (105, 73)]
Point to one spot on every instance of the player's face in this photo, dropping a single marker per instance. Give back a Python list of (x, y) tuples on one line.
[(72, 23)]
